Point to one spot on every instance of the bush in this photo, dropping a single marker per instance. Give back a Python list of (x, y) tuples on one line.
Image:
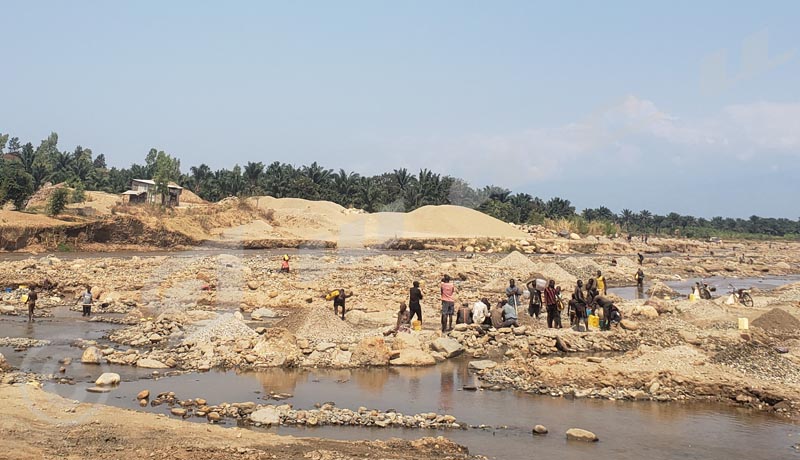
[(78, 193), (57, 202)]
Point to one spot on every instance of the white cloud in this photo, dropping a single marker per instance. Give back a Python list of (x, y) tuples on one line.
[(623, 133)]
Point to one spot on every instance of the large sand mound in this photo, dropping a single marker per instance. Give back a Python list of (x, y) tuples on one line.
[(323, 220), (777, 320)]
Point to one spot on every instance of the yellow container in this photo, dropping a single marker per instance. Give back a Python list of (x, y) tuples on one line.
[(744, 324), (416, 325), (594, 321), (692, 298), (24, 298)]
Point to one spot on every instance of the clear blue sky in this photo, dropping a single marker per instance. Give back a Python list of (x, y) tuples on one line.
[(685, 106)]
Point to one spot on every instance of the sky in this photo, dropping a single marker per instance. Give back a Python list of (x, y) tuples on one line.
[(692, 107)]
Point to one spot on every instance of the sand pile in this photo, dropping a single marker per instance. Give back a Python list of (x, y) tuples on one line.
[(551, 270), (225, 327), (582, 267), (777, 320), (324, 220), (189, 197)]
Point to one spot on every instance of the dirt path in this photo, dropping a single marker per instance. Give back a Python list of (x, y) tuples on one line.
[(41, 425)]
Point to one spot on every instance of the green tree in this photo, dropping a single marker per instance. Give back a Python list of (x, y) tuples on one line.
[(58, 201), (559, 208), (16, 185), (166, 170)]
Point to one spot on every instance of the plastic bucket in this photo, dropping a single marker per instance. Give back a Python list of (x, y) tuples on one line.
[(594, 321), (744, 324), (416, 325)]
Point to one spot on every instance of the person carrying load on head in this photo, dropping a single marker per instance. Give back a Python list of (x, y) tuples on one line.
[(285, 263)]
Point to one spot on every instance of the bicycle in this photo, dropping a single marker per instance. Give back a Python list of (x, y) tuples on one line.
[(742, 296)]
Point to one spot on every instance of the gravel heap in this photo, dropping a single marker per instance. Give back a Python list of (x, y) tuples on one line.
[(517, 262), (582, 267), (226, 327), (777, 320), (762, 362)]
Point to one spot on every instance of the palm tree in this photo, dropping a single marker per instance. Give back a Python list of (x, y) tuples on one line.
[(626, 216), (645, 216), (402, 178), (317, 173), (252, 175), (201, 175)]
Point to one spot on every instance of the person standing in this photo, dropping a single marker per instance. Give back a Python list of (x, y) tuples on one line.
[(639, 279), (31, 303), (551, 303), (414, 298), (535, 302), (448, 290), (86, 300), (513, 293), (601, 283), (339, 301), (285, 264), (641, 257), (591, 284)]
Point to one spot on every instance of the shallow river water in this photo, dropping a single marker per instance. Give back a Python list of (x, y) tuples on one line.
[(627, 430)]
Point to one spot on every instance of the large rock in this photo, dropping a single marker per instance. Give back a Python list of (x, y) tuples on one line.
[(148, 363), (371, 351), (660, 290), (661, 306), (644, 310), (91, 355), (629, 325), (413, 357), (107, 378), (325, 346), (266, 416), (539, 429), (3, 363), (341, 358), (447, 346), (482, 364), (8, 309), (577, 434), (264, 313), (406, 341)]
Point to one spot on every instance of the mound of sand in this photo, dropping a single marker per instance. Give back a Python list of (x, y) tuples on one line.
[(97, 203), (777, 320), (38, 201), (324, 220), (189, 197)]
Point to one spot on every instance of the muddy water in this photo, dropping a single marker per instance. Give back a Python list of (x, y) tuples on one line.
[(627, 430), (685, 286)]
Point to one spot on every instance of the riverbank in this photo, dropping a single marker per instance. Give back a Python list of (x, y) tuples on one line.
[(41, 425)]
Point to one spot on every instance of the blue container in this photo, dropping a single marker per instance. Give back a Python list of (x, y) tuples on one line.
[(8, 290)]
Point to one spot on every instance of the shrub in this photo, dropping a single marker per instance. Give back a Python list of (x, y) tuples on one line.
[(57, 202)]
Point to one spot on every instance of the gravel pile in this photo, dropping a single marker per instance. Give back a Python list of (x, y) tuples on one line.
[(226, 327), (762, 362), (582, 267), (777, 320)]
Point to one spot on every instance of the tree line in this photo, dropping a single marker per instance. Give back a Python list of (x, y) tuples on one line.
[(25, 168)]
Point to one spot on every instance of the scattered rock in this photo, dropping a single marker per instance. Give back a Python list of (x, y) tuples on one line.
[(264, 313), (629, 325), (577, 434), (266, 416), (539, 430), (98, 390), (148, 363), (108, 378), (447, 346), (144, 394), (91, 355), (482, 364)]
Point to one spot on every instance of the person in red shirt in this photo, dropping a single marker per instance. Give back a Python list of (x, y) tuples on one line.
[(448, 290), (551, 300)]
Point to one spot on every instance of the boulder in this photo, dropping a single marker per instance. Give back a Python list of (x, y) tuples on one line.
[(253, 285), (574, 236), (447, 346), (629, 325), (264, 313), (577, 434), (148, 363), (783, 266), (91, 355), (539, 429), (413, 357), (341, 358), (178, 411), (371, 351), (645, 311), (660, 290), (661, 306), (406, 341), (144, 394), (108, 378), (3, 363), (266, 416), (482, 364), (7, 309)]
